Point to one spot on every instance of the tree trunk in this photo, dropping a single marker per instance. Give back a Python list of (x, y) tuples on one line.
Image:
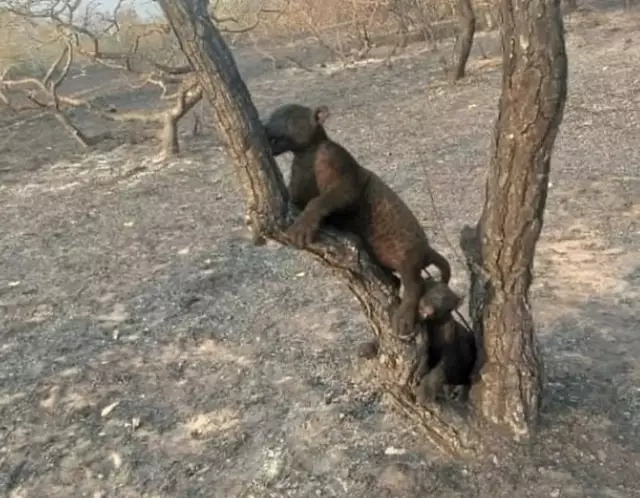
[(467, 20), (534, 89)]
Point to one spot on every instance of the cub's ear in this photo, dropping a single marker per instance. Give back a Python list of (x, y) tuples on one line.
[(321, 114)]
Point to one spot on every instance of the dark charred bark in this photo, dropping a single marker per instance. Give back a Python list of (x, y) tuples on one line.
[(467, 20), (500, 252)]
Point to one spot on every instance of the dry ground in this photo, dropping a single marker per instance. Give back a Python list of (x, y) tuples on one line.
[(148, 349)]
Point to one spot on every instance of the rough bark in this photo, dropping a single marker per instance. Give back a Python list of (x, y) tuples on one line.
[(467, 20), (500, 251), (267, 207)]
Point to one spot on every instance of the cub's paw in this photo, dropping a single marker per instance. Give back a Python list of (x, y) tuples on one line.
[(424, 392), (403, 324), (431, 386), (302, 231)]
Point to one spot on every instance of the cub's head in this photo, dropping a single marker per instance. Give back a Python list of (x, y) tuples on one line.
[(294, 127), (438, 300)]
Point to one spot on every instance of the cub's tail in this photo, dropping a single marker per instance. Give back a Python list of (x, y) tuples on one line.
[(436, 259)]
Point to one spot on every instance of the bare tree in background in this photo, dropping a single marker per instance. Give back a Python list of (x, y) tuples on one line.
[(42, 92), (115, 41), (531, 107), (464, 41)]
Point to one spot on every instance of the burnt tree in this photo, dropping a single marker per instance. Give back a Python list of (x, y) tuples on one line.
[(467, 21), (267, 203), (500, 250)]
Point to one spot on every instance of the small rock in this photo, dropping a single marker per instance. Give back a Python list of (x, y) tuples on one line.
[(118, 314), (108, 409), (52, 400), (117, 460), (394, 451)]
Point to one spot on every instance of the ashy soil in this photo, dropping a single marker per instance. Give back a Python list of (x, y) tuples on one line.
[(148, 349)]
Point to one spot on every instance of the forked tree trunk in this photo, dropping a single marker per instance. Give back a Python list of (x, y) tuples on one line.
[(266, 198), (523, 143), (169, 138), (467, 21), (534, 89)]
